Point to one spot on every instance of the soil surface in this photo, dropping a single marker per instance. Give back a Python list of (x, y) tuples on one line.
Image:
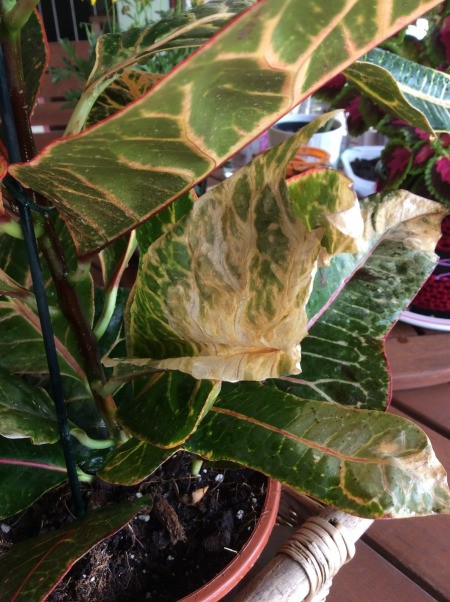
[(365, 168), (194, 530)]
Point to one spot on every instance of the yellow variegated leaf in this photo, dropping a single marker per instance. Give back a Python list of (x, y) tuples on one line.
[(222, 294)]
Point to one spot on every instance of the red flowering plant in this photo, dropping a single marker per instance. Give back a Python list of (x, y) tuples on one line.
[(414, 159)]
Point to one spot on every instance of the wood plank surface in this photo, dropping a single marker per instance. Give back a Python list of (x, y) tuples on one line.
[(46, 137), (418, 361), (429, 405), (51, 114), (371, 578), (419, 547)]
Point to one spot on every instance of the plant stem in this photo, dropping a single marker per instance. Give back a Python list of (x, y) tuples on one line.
[(15, 18), (87, 441), (12, 58), (70, 306), (196, 466), (50, 244)]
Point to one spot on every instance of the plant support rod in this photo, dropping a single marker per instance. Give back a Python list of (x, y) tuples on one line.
[(40, 293)]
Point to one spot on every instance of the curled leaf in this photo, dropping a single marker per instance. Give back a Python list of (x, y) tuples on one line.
[(222, 294)]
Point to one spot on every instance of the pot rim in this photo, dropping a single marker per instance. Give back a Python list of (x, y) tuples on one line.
[(235, 570)]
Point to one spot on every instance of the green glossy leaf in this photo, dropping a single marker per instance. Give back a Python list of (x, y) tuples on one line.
[(151, 230), (342, 356), (32, 568), (167, 408), (114, 335), (26, 472), (34, 56), (416, 94), (26, 411), (131, 86), (21, 346), (253, 72), (382, 215), (368, 463), (132, 462), (11, 288), (81, 408), (13, 259)]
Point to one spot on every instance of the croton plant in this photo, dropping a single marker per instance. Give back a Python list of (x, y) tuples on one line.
[(254, 331)]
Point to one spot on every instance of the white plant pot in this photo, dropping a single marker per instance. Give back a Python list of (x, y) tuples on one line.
[(362, 186), (329, 141)]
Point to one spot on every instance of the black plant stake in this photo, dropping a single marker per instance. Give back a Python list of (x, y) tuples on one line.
[(26, 221)]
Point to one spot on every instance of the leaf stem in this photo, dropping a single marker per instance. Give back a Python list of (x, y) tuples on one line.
[(112, 289), (14, 19), (196, 466), (87, 441)]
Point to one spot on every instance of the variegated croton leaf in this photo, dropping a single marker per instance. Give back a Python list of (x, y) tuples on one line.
[(133, 461), (26, 472), (21, 344), (365, 462), (255, 70), (342, 356), (26, 412), (297, 429), (418, 95), (34, 57), (118, 77)]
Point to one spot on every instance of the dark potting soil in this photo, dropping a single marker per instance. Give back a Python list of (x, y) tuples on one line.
[(365, 168), (195, 528)]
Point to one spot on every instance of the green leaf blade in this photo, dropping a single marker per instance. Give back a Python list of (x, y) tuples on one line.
[(31, 570), (26, 411), (26, 472), (380, 466), (176, 399), (133, 461)]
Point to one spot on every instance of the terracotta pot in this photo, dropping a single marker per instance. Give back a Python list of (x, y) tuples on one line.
[(224, 582)]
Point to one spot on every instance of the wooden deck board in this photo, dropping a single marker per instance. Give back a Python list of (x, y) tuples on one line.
[(430, 405), (371, 578), (419, 547), (418, 361)]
